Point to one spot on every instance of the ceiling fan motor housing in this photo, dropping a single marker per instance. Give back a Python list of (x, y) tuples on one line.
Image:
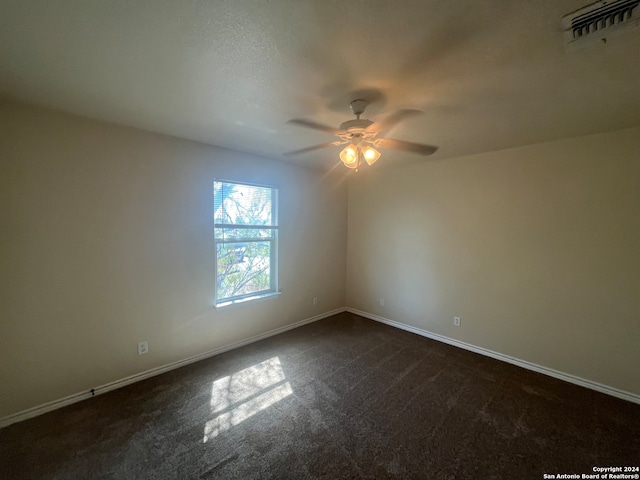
[(355, 124), (356, 128)]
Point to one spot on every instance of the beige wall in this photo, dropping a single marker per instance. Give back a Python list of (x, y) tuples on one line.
[(536, 248), (107, 240)]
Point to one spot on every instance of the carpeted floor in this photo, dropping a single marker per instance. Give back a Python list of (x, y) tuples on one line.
[(344, 397)]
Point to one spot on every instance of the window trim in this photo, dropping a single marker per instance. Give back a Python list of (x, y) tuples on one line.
[(273, 250), (249, 300)]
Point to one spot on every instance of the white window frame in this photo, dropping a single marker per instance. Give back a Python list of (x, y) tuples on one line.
[(273, 240)]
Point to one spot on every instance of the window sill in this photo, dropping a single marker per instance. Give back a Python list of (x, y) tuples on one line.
[(245, 301)]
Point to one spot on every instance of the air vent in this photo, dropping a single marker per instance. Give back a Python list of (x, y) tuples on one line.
[(600, 20)]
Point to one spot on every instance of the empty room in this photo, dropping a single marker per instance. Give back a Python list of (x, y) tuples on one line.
[(319, 239)]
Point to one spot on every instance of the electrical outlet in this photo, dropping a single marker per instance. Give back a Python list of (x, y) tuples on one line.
[(315, 300), (382, 302), (143, 347), (456, 321)]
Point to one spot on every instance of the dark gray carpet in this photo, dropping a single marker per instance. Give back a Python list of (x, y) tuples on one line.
[(344, 397)]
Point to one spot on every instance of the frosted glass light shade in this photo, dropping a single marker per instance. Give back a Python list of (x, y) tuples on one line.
[(349, 156), (371, 155)]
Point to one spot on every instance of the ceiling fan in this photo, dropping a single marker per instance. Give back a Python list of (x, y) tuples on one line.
[(362, 136)]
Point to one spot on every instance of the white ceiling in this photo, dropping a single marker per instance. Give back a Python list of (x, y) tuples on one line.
[(488, 74)]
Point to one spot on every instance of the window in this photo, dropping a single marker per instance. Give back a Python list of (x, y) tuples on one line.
[(246, 240)]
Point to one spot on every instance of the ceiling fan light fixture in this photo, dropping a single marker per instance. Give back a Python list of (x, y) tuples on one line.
[(371, 155), (349, 156)]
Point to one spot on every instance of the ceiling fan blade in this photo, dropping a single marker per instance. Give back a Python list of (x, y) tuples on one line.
[(315, 147), (418, 148), (392, 120), (315, 126)]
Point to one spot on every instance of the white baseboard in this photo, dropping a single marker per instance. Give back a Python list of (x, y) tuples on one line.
[(63, 402), (631, 397)]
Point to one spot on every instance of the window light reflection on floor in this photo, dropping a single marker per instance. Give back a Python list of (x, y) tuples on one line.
[(245, 393)]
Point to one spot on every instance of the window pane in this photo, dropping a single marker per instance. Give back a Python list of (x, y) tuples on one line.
[(242, 204), (243, 268)]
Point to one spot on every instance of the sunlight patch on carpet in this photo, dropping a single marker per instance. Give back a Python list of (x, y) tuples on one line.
[(240, 396)]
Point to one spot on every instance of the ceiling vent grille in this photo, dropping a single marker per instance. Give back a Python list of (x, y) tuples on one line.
[(599, 20)]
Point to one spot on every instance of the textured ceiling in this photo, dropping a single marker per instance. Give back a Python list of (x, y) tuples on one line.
[(488, 74)]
